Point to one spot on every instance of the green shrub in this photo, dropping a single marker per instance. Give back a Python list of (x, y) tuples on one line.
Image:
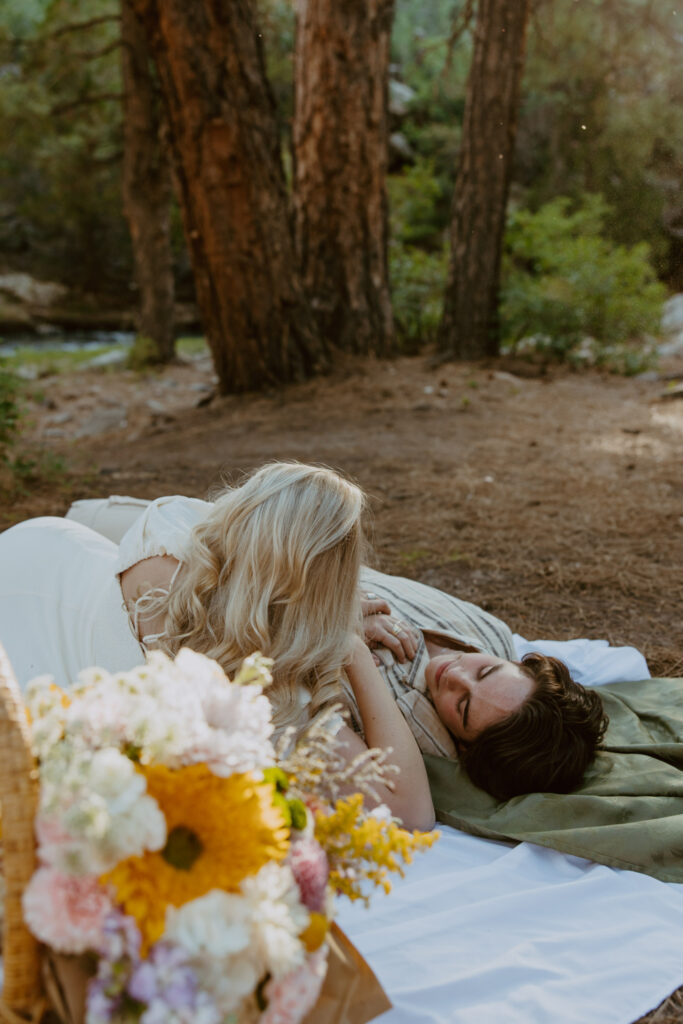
[(564, 282), (418, 280), (20, 467), (9, 415), (417, 259), (415, 196), (143, 354)]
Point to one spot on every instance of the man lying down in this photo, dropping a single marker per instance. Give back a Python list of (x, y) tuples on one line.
[(515, 726), (598, 774)]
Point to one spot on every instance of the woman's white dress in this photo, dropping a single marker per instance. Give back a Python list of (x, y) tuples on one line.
[(61, 606)]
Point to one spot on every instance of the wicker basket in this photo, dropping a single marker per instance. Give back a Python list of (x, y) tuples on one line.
[(21, 993)]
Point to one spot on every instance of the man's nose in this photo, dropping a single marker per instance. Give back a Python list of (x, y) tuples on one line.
[(459, 677)]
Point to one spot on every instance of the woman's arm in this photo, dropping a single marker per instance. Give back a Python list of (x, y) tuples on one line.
[(384, 726), (151, 574)]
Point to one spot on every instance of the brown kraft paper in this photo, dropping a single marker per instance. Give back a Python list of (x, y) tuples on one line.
[(351, 994)]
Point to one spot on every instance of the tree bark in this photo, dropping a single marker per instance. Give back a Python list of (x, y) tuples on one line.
[(147, 192), (234, 203), (340, 164), (470, 327)]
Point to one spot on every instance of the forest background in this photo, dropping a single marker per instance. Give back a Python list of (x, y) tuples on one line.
[(594, 217)]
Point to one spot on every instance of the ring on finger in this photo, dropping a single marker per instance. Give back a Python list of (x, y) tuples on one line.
[(397, 628), (371, 597)]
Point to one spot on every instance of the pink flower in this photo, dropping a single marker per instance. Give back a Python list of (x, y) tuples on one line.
[(311, 871), (52, 838), (66, 912), (290, 998)]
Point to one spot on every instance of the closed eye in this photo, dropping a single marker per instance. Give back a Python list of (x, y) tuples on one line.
[(464, 709)]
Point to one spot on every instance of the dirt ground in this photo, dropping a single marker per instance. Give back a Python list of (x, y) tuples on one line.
[(554, 500)]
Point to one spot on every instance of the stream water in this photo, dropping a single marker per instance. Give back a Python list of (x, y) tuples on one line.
[(67, 341)]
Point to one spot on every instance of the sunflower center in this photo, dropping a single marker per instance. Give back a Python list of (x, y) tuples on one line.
[(183, 846)]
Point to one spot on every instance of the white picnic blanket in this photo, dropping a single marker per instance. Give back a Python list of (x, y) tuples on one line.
[(482, 932)]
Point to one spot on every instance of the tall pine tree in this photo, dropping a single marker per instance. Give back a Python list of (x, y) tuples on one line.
[(469, 327)]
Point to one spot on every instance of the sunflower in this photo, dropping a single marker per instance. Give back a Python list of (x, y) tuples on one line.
[(218, 832)]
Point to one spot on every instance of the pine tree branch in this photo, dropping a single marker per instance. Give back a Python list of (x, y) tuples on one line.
[(85, 101), (460, 25), (79, 26), (93, 54)]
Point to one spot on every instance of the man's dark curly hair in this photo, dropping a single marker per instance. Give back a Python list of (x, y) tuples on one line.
[(547, 744)]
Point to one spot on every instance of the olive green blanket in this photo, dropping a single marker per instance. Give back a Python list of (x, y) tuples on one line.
[(628, 813)]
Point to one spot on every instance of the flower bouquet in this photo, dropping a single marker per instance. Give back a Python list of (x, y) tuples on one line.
[(186, 862)]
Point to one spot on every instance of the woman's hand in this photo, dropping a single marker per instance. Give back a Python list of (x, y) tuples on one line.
[(382, 629), (396, 635), (373, 605)]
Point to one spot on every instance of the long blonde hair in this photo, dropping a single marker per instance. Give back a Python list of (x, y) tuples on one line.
[(274, 567)]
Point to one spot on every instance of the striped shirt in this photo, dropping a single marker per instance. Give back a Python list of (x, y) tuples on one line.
[(426, 608)]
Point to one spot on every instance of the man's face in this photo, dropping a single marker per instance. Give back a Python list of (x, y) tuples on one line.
[(473, 691)]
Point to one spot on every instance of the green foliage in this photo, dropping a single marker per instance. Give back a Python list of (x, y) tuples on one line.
[(9, 413), (191, 347), (21, 17), (415, 198), (417, 285), (423, 58), (437, 74), (601, 112), (143, 353), (17, 468), (277, 19), (60, 202), (564, 281), (417, 258)]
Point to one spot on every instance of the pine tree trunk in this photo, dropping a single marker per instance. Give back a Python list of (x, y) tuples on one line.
[(469, 328), (233, 197), (147, 192), (340, 158)]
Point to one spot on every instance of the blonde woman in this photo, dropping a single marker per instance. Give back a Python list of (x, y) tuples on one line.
[(272, 565)]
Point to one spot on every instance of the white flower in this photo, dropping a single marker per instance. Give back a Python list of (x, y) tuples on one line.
[(277, 917), (233, 940), (176, 712), (44, 701), (381, 813), (215, 931), (149, 709), (215, 925), (229, 981), (103, 809), (236, 717)]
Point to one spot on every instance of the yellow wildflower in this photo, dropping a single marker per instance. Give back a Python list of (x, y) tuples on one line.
[(361, 847), (314, 934)]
